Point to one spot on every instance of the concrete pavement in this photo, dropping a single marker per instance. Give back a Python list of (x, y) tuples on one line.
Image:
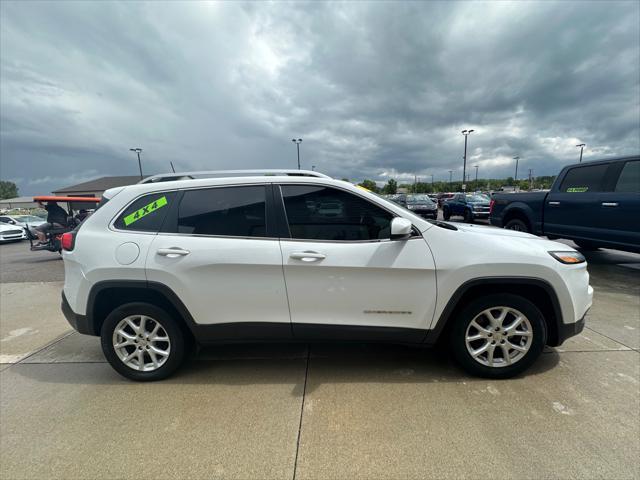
[(321, 411)]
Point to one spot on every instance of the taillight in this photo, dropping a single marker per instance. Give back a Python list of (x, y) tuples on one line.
[(68, 241), (491, 204)]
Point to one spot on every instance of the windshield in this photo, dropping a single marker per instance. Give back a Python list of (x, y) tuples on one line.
[(419, 199), (476, 198)]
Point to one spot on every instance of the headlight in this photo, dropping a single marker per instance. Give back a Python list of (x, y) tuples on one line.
[(411, 207), (569, 257)]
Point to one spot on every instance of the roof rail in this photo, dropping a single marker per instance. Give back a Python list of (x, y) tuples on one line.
[(168, 177)]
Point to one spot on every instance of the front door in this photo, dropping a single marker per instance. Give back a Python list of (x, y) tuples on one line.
[(345, 278), (217, 257)]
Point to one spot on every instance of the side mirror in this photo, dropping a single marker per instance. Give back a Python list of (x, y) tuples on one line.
[(400, 228)]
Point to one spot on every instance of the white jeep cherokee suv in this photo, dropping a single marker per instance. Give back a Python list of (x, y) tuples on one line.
[(295, 255)]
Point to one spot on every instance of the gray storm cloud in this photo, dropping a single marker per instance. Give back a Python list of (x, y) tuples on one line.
[(374, 89)]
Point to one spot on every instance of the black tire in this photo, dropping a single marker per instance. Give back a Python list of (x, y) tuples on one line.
[(468, 216), (586, 245), (518, 225), (446, 214), (473, 309), (173, 330)]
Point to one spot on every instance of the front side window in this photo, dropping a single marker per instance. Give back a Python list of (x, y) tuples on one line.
[(228, 211), (584, 179), (146, 214), (323, 213), (629, 180)]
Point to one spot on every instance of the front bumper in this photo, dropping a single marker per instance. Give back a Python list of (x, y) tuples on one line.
[(568, 330), (78, 322)]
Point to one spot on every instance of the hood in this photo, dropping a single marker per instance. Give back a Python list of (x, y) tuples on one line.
[(500, 232), (520, 237), (7, 226)]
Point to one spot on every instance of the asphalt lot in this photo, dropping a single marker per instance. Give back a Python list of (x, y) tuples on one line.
[(315, 411)]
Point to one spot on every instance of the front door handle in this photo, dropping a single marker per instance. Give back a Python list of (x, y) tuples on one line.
[(609, 204), (172, 252), (555, 204), (308, 256)]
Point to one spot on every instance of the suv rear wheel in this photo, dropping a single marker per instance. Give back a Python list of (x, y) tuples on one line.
[(142, 342), (498, 336)]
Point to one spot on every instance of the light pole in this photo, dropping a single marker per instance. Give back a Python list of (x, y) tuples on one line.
[(466, 133), (450, 179), (515, 179), (297, 142), (530, 179), (581, 145), (432, 189), (313, 168), (138, 150), (476, 167)]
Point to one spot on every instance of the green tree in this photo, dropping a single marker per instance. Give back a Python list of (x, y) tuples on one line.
[(8, 190), (391, 187), (369, 185)]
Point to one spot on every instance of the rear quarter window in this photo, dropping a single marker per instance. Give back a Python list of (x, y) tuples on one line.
[(629, 180), (146, 214)]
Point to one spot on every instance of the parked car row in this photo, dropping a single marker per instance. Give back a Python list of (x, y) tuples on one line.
[(13, 227)]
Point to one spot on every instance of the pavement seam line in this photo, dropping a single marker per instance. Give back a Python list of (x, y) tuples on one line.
[(612, 339), (43, 348), (304, 394)]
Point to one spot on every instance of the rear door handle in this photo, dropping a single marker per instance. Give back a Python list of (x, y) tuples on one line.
[(555, 204), (609, 204), (307, 256), (172, 252)]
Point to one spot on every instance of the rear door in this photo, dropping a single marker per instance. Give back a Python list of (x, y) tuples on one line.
[(345, 277), (217, 254), (619, 206), (573, 210)]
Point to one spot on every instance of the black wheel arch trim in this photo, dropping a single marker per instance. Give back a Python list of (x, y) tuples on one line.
[(433, 334), (168, 293)]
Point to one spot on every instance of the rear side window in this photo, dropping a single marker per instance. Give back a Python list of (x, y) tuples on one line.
[(322, 213), (584, 179), (146, 214), (228, 211), (629, 180)]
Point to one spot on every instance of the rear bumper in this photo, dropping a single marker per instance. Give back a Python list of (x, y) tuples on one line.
[(78, 322)]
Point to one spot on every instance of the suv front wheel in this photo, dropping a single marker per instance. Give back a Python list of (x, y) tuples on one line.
[(142, 342), (498, 336)]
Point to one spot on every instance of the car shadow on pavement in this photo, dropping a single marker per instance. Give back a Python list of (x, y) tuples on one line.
[(287, 363)]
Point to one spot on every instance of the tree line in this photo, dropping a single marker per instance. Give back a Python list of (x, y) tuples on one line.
[(392, 186)]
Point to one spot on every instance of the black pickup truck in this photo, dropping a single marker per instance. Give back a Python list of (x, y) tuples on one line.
[(595, 204)]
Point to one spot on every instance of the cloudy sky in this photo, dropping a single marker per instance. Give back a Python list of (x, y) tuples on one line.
[(374, 89)]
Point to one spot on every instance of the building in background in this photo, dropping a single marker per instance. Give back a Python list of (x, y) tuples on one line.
[(95, 188)]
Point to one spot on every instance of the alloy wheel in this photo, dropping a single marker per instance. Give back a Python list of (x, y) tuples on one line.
[(141, 343), (499, 336)]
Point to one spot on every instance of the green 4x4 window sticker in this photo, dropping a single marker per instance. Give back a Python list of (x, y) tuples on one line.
[(577, 189), (144, 211)]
